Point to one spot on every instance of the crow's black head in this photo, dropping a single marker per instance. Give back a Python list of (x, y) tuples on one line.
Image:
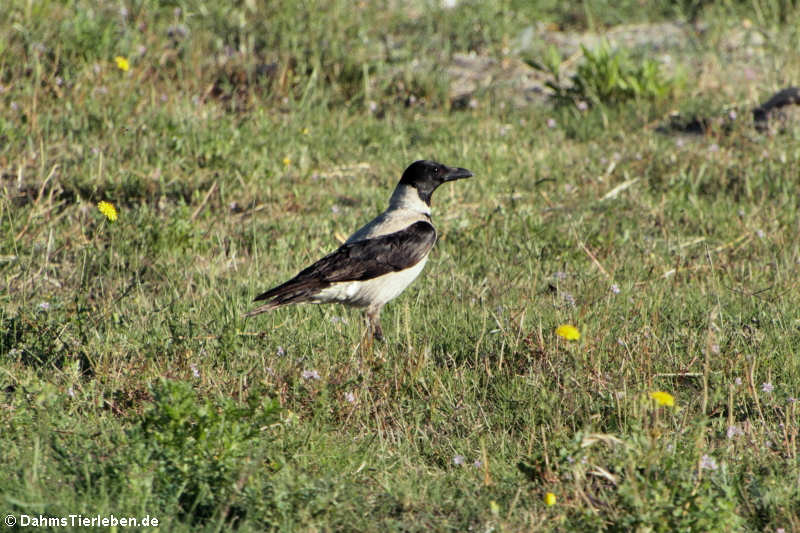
[(425, 176)]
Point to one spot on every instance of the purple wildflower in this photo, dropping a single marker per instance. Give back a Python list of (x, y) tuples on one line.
[(310, 374), (733, 432), (708, 463)]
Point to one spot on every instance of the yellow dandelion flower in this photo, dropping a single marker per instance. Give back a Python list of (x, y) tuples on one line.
[(549, 499), (108, 209), (663, 398), (287, 161), (494, 507), (122, 63), (305, 131), (568, 332)]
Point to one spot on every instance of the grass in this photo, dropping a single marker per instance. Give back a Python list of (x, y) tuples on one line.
[(237, 148)]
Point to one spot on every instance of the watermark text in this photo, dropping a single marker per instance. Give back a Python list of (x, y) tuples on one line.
[(79, 520)]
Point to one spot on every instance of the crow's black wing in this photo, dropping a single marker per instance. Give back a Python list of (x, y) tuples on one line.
[(358, 261)]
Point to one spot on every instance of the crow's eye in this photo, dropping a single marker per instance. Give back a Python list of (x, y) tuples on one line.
[(435, 170)]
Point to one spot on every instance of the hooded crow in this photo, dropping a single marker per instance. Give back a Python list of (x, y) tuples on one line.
[(379, 260)]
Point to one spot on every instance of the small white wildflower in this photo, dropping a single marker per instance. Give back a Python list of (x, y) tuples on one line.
[(195, 371), (477, 463), (714, 147), (732, 114), (679, 142), (733, 432), (44, 306), (372, 106), (767, 387), (615, 288), (551, 123), (71, 392), (737, 381), (458, 460), (310, 374), (280, 351), (708, 463), (560, 275), (568, 298), (335, 209), (350, 397), (715, 349), (582, 106), (760, 233)]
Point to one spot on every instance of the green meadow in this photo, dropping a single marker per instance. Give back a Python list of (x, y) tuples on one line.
[(240, 141)]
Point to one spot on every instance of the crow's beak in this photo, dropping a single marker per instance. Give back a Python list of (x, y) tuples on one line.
[(454, 173)]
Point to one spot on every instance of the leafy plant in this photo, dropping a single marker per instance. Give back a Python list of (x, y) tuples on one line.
[(607, 77), (199, 450), (652, 484)]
